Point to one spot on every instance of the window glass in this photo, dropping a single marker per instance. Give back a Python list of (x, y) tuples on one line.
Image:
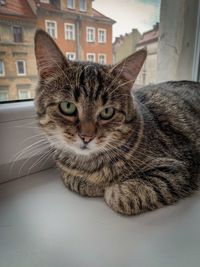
[(4, 94), (91, 57), (82, 4), (101, 35), (90, 34), (102, 58), (21, 67), (71, 4), (70, 31), (51, 28), (71, 55), (106, 32), (2, 69), (17, 34)]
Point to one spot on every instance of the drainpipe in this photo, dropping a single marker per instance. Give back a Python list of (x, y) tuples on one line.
[(78, 35)]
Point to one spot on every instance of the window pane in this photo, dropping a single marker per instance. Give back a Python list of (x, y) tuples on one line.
[(2, 70), (70, 3), (82, 4), (107, 32)]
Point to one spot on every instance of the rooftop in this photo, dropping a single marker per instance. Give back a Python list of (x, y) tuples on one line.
[(17, 8)]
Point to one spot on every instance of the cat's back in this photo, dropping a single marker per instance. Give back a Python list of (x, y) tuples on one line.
[(172, 92), (173, 106)]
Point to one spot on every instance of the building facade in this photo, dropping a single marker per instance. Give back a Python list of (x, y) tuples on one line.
[(18, 73), (81, 32), (125, 45), (149, 41)]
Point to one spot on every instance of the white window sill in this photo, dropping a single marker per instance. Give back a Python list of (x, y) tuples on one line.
[(21, 149), (44, 224)]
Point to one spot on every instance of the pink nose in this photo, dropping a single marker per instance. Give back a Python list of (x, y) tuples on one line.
[(86, 138)]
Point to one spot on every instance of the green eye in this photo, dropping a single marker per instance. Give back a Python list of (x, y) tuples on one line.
[(68, 108), (107, 113)]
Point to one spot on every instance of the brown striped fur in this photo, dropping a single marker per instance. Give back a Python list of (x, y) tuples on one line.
[(145, 157)]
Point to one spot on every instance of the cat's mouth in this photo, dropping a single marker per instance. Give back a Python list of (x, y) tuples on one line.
[(84, 147)]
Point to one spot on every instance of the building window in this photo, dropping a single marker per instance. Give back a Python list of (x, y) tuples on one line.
[(21, 67), (82, 5), (102, 35), (71, 55), (69, 31), (90, 34), (51, 28), (44, 1), (91, 57), (17, 34), (102, 59), (2, 68), (24, 93), (71, 4), (4, 95)]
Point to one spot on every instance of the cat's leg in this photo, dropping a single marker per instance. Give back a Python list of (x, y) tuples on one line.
[(79, 185), (157, 187)]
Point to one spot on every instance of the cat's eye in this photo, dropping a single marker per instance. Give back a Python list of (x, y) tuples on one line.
[(68, 108), (107, 113)]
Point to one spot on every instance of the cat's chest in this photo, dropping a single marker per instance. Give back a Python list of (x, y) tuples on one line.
[(100, 175)]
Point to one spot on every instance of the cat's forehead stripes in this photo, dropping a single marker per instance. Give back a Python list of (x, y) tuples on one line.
[(90, 84)]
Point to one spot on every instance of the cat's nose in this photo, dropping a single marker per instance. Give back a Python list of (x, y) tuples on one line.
[(86, 138)]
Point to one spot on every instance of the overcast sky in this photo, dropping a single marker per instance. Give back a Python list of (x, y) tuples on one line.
[(128, 14)]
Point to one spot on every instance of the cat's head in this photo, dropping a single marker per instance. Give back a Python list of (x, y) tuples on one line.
[(84, 107)]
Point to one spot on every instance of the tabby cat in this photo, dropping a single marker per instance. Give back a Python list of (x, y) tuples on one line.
[(140, 150)]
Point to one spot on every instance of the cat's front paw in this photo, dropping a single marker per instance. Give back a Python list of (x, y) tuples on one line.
[(82, 187), (132, 197), (118, 200)]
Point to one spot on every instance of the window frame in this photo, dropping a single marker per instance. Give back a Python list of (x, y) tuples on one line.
[(23, 89), (73, 31), (3, 68), (83, 10), (90, 54), (105, 58), (44, 1), (17, 26), (71, 53), (7, 92), (105, 32), (46, 27), (24, 66), (74, 5), (94, 34)]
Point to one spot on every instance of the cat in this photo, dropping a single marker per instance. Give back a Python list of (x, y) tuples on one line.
[(138, 149)]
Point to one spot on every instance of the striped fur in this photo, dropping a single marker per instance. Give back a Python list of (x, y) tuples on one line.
[(146, 157)]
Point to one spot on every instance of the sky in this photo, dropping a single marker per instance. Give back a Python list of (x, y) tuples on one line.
[(129, 14)]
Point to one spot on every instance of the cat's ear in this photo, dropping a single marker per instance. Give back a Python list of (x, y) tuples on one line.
[(49, 58), (130, 67)]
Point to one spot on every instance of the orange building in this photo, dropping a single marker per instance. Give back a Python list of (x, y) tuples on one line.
[(81, 32)]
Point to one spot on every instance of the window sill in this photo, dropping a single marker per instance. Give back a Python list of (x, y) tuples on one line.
[(19, 135), (44, 224)]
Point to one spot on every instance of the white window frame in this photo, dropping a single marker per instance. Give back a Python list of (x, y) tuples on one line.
[(44, 1), (71, 53), (73, 7), (46, 28), (3, 68), (24, 66), (81, 9), (91, 54), (6, 92), (94, 32), (73, 31), (105, 60), (105, 35), (20, 92)]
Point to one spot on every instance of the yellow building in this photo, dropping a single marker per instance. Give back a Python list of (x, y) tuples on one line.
[(18, 73)]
